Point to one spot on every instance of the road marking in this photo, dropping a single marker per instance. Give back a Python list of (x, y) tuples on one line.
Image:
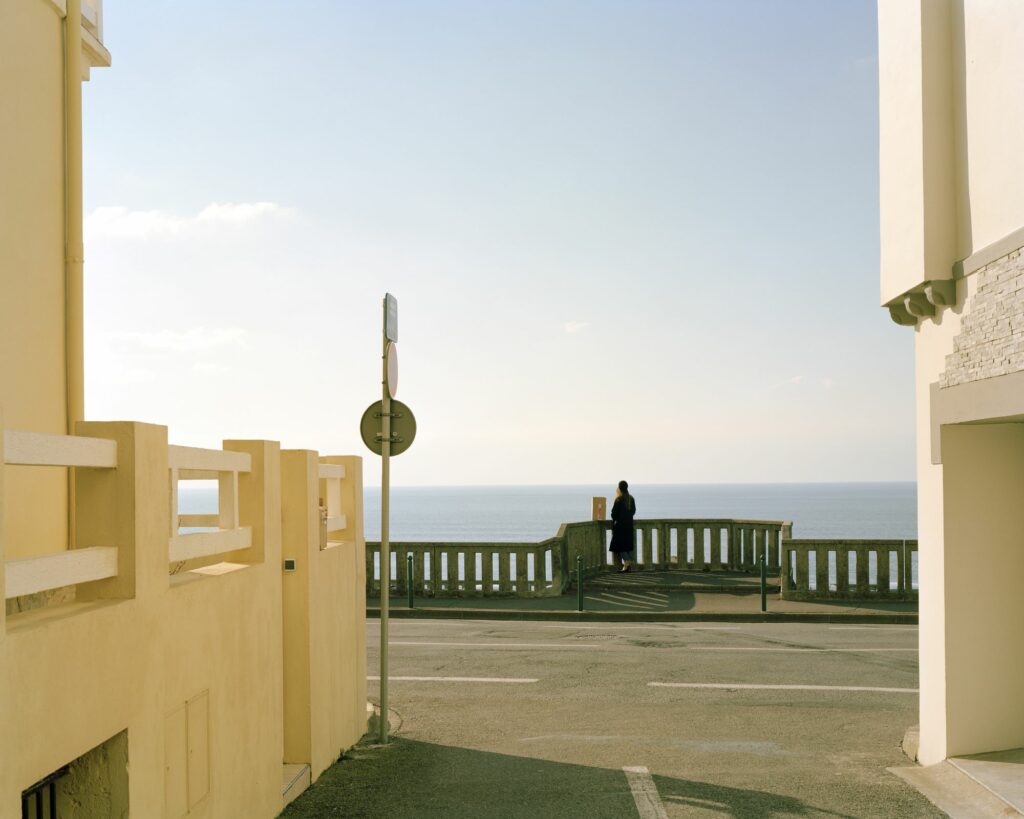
[(873, 628), (610, 597), (616, 626), (645, 793), (632, 604), (495, 645), (797, 650), (783, 687), (650, 595), (461, 679)]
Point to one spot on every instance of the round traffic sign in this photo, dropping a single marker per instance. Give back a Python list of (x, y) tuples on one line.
[(403, 427)]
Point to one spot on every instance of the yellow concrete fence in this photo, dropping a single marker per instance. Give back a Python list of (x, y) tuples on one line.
[(221, 667)]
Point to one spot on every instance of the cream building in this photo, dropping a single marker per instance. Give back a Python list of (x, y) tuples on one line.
[(952, 229), (151, 661)]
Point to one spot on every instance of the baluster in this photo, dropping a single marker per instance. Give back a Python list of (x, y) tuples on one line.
[(417, 569), (470, 559), (901, 570), (452, 573), (504, 571), (521, 577), (883, 571), (399, 576), (862, 570), (842, 570), (716, 548), (488, 572), (821, 566), (802, 569), (775, 549)]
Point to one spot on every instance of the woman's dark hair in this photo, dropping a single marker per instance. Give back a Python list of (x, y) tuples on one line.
[(623, 487)]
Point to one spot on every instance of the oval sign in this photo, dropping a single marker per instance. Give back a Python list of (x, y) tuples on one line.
[(392, 369)]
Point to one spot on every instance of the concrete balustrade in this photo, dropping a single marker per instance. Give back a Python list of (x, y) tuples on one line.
[(848, 569), (548, 568)]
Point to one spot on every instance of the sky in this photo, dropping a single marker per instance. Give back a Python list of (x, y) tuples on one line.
[(628, 239)]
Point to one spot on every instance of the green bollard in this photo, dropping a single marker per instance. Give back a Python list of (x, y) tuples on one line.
[(579, 583), (764, 584), (409, 578)]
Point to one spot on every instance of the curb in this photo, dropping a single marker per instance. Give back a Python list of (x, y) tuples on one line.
[(643, 616)]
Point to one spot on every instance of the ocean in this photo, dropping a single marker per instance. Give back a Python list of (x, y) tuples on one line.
[(533, 513)]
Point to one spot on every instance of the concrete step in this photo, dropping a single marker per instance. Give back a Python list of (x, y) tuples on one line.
[(1002, 772), (954, 792), (294, 780)]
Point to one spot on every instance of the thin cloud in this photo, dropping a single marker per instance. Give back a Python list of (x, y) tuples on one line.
[(192, 340), (119, 222), (575, 326)]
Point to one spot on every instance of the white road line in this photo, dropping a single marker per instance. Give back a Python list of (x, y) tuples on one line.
[(782, 687), (494, 645), (793, 650), (873, 628), (616, 627), (645, 793), (461, 679)]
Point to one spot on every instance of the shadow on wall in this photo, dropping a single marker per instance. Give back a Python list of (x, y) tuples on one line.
[(419, 779)]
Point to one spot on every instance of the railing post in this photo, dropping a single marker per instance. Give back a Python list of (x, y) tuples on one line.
[(764, 584), (126, 507), (579, 583), (409, 578)]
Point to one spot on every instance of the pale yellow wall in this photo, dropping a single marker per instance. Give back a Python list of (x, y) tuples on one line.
[(933, 341), (74, 675), (992, 33), (32, 361), (324, 616), (916, 142), (983, 469), (951, 127), (951, 124)]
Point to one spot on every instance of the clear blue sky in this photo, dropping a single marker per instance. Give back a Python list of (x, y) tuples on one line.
[(628, 239)]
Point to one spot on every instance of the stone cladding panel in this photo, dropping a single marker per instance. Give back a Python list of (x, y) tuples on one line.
[(991, 338)]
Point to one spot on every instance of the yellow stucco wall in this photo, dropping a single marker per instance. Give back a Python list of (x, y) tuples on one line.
[(32, 357), (192, 665), (950, 131), (951, 127), (990, 119)]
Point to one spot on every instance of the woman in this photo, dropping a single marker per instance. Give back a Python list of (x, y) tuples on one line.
[(623, 542)]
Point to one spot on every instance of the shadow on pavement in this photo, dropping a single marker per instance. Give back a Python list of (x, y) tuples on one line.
[(418, 779)]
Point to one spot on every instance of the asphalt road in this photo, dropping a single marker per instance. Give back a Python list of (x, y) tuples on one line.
[(634, 720)]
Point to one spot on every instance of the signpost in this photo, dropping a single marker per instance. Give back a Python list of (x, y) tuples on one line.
[(388, 428)]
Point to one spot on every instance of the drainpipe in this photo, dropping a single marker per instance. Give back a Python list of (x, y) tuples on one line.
[(74, 249)]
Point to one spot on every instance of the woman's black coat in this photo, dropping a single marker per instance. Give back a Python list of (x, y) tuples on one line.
[(622, 529)]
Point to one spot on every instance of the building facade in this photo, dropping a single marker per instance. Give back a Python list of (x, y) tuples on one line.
[(152, 661), (952, 229)]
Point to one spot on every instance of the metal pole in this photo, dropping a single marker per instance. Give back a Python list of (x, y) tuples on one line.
[(579, 582), (408, 577), (385, 546), (764, 583)]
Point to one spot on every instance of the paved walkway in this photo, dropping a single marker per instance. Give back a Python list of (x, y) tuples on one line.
[(666, 720), (656, 595)]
